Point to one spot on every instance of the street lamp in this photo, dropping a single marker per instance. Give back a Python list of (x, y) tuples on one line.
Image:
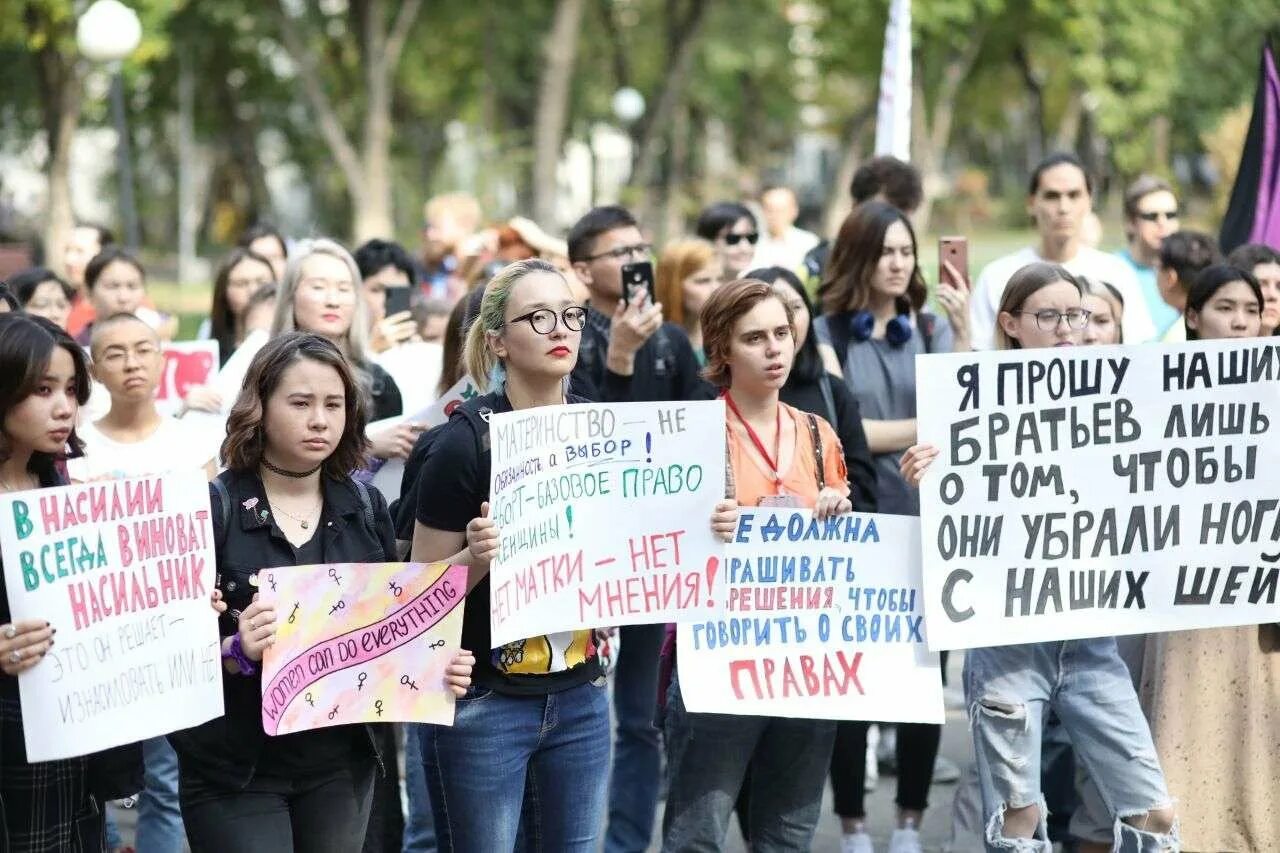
[(108, 32), (628, 105)]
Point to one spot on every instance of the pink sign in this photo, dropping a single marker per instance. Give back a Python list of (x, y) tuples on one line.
[(360, 643)]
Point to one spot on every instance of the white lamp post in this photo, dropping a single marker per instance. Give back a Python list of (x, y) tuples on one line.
[(108, 32), (628, 105)]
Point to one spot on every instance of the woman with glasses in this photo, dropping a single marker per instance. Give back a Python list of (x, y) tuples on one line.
[(527, 756), (731, 228), (874, 324), (1012, 690)]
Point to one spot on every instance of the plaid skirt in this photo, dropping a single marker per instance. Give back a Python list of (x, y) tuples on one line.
[(44, 806)]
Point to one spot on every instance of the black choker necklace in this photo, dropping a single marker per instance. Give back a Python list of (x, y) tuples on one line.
[(297, 475)]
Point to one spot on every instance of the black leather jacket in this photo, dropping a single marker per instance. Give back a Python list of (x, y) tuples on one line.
[(226, 750)]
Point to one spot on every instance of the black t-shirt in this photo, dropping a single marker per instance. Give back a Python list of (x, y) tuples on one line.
[(453, 483)]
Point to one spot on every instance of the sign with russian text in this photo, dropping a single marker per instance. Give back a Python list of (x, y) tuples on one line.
[(1084, 492), (605, 515), (818, 619), (390, 475), (360, 643), (124, 570), (186, 364)]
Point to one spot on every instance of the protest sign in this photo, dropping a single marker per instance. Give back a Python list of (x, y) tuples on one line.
[(605, 515), (1108, 490), (388, 478), (186, 364), (819, 619), (360, 643), (124, 570)]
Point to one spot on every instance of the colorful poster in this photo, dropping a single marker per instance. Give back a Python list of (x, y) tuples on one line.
[(186, 364), (360, 643), (1091, 491), (124, 570), (605, 515), (817, 619), (389, 477)]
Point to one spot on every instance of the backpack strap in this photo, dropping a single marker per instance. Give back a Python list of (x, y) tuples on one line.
[(828, 399), (224, 501), (366, 503), (816, 435), (928, 323)]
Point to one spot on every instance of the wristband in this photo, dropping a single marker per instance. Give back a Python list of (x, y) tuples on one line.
[(236, 653)]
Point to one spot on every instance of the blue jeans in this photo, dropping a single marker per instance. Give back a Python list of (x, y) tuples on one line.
[(707, 758), (543, 759), (160, 827), (159, 815), (637, 751), (1011, 689), (419, 826)]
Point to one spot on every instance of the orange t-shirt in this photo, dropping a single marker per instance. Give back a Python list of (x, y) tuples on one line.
[(753, 478)]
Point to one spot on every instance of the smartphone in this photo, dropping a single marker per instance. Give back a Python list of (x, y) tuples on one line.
[(954, 250), (398, 299), (636, 276)]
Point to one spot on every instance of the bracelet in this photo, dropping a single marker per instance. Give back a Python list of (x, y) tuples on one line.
[(236, 653)]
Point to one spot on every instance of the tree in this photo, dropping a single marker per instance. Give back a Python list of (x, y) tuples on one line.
[(366, 168), (559, 49)]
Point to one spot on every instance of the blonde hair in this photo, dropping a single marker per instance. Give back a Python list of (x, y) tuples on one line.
[(481, 363), (462, 206), (679, 260), (356, 345)]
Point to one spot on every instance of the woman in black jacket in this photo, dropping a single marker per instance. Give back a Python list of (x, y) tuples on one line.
[(286, 498), (810, 388)]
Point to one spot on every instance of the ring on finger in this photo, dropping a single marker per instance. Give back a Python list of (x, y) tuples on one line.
[(10, 631), (15, 655)]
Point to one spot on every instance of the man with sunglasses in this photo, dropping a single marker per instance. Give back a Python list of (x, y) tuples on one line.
[(1059, 197), (1150, 215), (629, 354)]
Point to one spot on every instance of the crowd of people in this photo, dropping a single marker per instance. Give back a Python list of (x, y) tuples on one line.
[(1147, 744)]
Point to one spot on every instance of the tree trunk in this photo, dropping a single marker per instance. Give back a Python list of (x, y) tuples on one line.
[(1034, 81), (559, 49), (839, 202), (684, 39), (367, 170), (60, 90), (932, 137)]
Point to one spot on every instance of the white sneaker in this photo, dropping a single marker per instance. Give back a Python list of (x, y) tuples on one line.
[(856, 842), (905, 841)]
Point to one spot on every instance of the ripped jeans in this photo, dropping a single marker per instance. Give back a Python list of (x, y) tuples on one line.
[(1009, 691)]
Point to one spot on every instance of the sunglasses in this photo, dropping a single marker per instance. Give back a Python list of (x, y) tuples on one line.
[(1157, 215), (735, 239)]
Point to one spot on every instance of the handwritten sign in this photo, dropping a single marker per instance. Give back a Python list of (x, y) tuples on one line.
[(124, 570), (360, 643), (818, 619), (605, 515), (186, 364), (389, 477), (1085, 492)]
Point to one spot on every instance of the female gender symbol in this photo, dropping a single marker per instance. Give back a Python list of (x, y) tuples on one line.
[(309, 700), (360, 681), (378, 707), (333, 573)]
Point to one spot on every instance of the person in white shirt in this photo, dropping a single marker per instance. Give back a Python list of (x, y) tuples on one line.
[(133, 439), (1059, 197), (782, 244)]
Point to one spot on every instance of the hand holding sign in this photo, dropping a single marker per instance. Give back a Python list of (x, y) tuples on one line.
[(257, 628), (23, 644), (483, 536)]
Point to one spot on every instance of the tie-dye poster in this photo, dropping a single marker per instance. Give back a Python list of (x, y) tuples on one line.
[(360, 643)]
